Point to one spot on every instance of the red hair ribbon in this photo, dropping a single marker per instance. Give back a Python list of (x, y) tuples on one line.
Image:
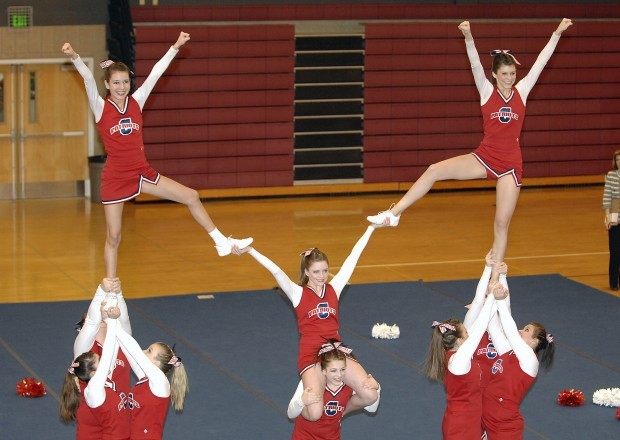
[(443, 327)]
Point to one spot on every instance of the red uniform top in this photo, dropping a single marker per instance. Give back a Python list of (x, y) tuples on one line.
[(126, 165), (317, 321), (463, 416), (328, 426), (485, 355), (87, 426), (121, 371), (148, 412), (502, 398), (109, 421), (500, 151)]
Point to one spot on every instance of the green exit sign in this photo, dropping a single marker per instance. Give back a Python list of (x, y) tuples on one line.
[(19, 21), (20, 17)]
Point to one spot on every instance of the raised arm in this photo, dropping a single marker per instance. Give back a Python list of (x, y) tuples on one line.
[(527, 83), (88, 333), (526, 356), (158, 382), (95, 101), (344, 274), (484, 86), (94, 394), (460, 362), (291, 290), (143, 92), (481, 291)]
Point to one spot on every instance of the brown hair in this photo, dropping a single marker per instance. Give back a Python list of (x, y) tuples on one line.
[(499, 60), (613, 160), (435, 364), (117, 66), (545, 350), (176, 374), (332, 355), (314, 255), (71, 394)]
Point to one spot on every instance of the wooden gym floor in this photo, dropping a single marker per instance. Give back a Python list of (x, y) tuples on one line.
[(52, 250)]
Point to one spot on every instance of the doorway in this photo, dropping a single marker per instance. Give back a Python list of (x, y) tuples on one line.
[(45, 130)]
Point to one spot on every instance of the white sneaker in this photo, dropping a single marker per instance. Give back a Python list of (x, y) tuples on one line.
[(379, 219), (225, 248)]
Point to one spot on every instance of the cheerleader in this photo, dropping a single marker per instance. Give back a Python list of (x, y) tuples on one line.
[(87, 381), (514, 372), (316, 306), (162, 379), (336, 397), (499, 154), (127, 173), (449, 360)]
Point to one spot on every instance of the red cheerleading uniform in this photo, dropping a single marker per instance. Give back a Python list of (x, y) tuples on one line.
[(148, 412), (462, 419), (500, 151), (121, 371), (109, 421), (485, 355), (502, 397), (317, 321), (328, 426), (126, 165)]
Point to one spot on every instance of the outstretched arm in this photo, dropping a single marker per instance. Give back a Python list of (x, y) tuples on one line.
[(527, 358), (481, 291), (95, 101), (158, 70), (94, 394), (291, 290), (460, 362), (344, 274), (527, 83), (484, 86), (88, 333), (158, 382)]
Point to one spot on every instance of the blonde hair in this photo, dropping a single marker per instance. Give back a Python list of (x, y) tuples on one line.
[(176, 374)]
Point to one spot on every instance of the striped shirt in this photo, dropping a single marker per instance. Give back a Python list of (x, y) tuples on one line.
[(612, 188)]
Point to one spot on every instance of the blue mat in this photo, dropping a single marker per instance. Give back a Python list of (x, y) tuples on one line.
[(240, 353)]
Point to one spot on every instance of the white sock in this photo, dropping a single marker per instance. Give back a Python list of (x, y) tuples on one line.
[(217, 236), (374, 406)]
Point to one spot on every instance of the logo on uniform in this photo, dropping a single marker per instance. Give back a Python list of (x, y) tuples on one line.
[(127, 401), (332, 408), (505, 115), (322, 310), (497, 367), (125, 127)]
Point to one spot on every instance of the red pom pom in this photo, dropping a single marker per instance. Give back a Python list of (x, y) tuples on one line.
[(28, 387), (571, 397), (618, 413)]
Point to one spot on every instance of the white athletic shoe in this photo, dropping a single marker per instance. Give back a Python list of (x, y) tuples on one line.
[(225, 248), (379, 219)]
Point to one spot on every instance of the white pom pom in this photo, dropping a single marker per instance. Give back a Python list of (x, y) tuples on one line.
[(385, 331), (607, 397)]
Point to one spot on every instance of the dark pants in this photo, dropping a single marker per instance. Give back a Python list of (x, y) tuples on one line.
[(614, 256)]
